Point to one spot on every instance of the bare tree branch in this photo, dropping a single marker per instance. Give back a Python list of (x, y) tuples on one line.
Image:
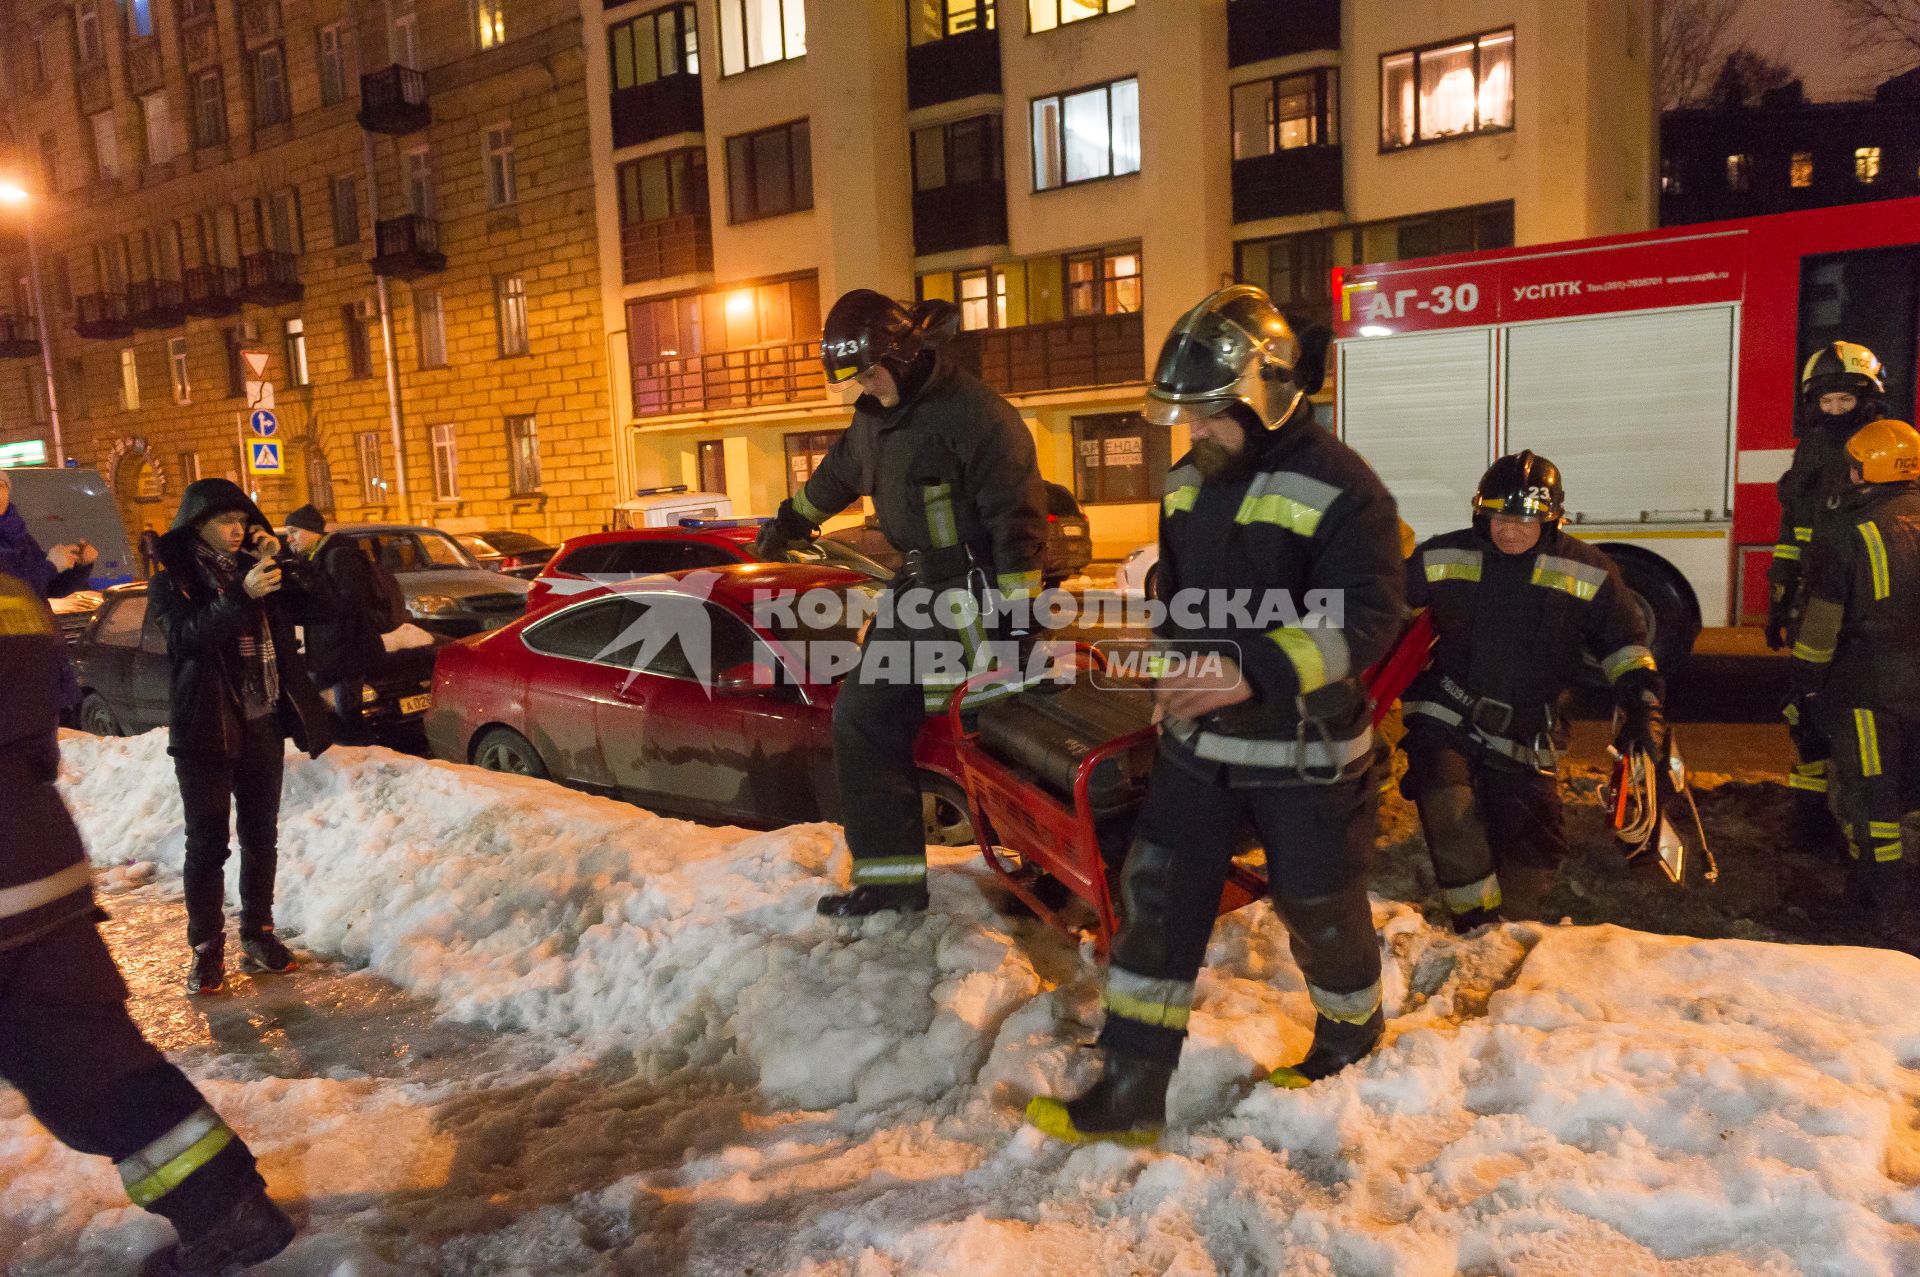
[(1694, 38), (1888, 31)]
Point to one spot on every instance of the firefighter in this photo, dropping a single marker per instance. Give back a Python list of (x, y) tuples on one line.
[(1516, 604), (952, 474), (1269, 727), (1856, 662), (1842, 387), (66, 1040)]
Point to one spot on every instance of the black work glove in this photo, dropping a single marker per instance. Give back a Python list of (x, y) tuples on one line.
[(784, 530), (1778, 614), (1643, 726)]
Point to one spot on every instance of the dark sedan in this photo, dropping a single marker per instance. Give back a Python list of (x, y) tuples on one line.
[(514, 553), (124, 672)]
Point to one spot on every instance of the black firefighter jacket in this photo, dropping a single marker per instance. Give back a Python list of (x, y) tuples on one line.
[(44, 878), (1300, 513), (1859, 640), (1513, 630), (203, 627), (951, 430), (343, 642), (1810, 493)]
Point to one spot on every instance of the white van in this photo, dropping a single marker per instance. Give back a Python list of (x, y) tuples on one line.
[(62, 506), (665, 507)]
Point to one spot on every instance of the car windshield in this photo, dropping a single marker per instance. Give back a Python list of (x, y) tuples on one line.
[(837, 554), (443, 551)]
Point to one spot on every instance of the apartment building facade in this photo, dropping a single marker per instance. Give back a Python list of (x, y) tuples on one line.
[(1073, 174), (212, 177)]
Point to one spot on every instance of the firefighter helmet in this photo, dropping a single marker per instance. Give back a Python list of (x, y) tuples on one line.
[(1521, 485), (1233, 348), (1886, 452), (1842, 367), (863, 329)]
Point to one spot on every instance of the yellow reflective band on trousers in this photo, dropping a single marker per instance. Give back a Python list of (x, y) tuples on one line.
[(889, 869), (1803, 535), (165, 1164), (1811, 777), (1484, 894), (1347, 1008), (1885, 835), (1868, 733), (1877, 560), (1161, 1004)]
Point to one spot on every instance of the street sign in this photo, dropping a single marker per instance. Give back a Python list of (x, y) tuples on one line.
[(260, 395), (263, 457), (256, 362), (31, 452), (264, 423)]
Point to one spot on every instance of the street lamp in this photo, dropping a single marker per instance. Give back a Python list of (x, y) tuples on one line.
[(15, 195)]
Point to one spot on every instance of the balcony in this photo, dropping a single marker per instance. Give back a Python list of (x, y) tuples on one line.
[(663, 249), (268, 278), (951, 217), (393, 100), (960, 66), (661, 108), (1100, 350), (102, 316), (1262, 29), (157, 303), (19, 337), (212, 291), (778, 374), (407, 247), (1305, 179)]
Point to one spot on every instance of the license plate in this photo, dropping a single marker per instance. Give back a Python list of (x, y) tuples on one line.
[(416, 704), (1073, 532)]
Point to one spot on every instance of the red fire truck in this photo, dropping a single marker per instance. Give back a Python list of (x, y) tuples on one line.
[(1658, 370)]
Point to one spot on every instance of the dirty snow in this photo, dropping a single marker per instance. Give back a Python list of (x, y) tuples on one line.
[(682, 1070)]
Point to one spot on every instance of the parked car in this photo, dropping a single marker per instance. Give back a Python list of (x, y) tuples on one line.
[(124, 673), (1069, 545), (555, 695), (666, 507), (514, 553), (694, 543), (1141, 571), (449, 594)]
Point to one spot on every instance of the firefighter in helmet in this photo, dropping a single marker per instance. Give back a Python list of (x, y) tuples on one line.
[(1516, 604), (1270, 728), (1856, 663), (1842, 388), (953, 477)]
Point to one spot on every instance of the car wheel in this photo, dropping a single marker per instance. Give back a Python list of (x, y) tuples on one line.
[(501, 749), (96, 716), (1666, 605), (944, 813), (1152, 581)]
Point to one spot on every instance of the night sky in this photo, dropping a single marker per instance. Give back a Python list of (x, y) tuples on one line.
[(1807, 35)]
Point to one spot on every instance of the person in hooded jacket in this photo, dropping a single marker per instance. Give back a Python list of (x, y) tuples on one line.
[(956, 484), (239, 689), (343, 646), (1842, 388), (67, 1042), (1516, 605), (52, 574)]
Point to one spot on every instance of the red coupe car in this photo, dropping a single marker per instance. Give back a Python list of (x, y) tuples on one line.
[(587, 693), (599, 558)]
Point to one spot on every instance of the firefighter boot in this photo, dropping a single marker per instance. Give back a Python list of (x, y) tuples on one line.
[(1336, 1044), (1814, 830), (1128, 1105), (252, 1231), (907, 897)]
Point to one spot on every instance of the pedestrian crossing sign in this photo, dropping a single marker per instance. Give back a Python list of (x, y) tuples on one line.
[(263, 457)]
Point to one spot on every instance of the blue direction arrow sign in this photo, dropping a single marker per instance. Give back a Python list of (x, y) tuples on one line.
[(264, 422), (263, 457)]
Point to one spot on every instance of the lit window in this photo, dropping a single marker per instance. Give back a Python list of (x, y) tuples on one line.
[(1866, 165), (420, 182), (653, 46), (431, 315), (177, 368), (446, 464), (754, 33), (296, 343), (932, 20), (503, 179), (1045, 15), (158, 119), (373, 479), (129, 381), (1801, 171), (1103, 283), (489, 23), (1739, 171), (139, 18), (1283, 114), (510, 313), (1447, 91), (523, 456), (1093, 133)]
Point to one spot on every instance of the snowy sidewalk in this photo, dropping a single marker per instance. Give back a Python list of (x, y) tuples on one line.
[(688, 1072)]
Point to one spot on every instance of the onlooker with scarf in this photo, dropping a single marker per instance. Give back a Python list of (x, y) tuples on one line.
[(239, 690), (51, 574)]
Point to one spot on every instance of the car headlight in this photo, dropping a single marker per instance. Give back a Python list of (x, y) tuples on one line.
[(432, 604), (1136, 554)]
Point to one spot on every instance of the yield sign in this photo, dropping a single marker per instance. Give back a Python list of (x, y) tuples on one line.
[(256, 362)]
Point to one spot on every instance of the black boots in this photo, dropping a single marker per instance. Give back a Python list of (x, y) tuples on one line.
[(252, 1231), (207, 973), (1336, 1044), (874, 897), (262, 951), (1128, 1105), (1474, 919)]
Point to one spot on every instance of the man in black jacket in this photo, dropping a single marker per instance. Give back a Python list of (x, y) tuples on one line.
[(1516, 604), (239, 689), (66, 1040), (953, 477), (1280, 569), (343, 644)]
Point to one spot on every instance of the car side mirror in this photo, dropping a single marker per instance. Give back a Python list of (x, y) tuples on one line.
[(743, 679)]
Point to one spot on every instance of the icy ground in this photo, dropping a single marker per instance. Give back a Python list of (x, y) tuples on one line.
[(540, 1033)]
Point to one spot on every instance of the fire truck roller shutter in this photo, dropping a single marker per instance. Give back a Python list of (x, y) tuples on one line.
[(1419, 408)]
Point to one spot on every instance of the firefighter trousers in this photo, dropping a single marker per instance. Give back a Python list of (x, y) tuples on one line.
[(1482, 815), (1875, 770), (1318, 840), (70, 1048)]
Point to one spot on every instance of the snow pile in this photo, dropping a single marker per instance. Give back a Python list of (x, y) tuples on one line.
[(739, 1086)]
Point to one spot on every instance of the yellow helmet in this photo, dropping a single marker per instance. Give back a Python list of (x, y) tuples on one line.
[(1842, 366), (1886, 451)]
